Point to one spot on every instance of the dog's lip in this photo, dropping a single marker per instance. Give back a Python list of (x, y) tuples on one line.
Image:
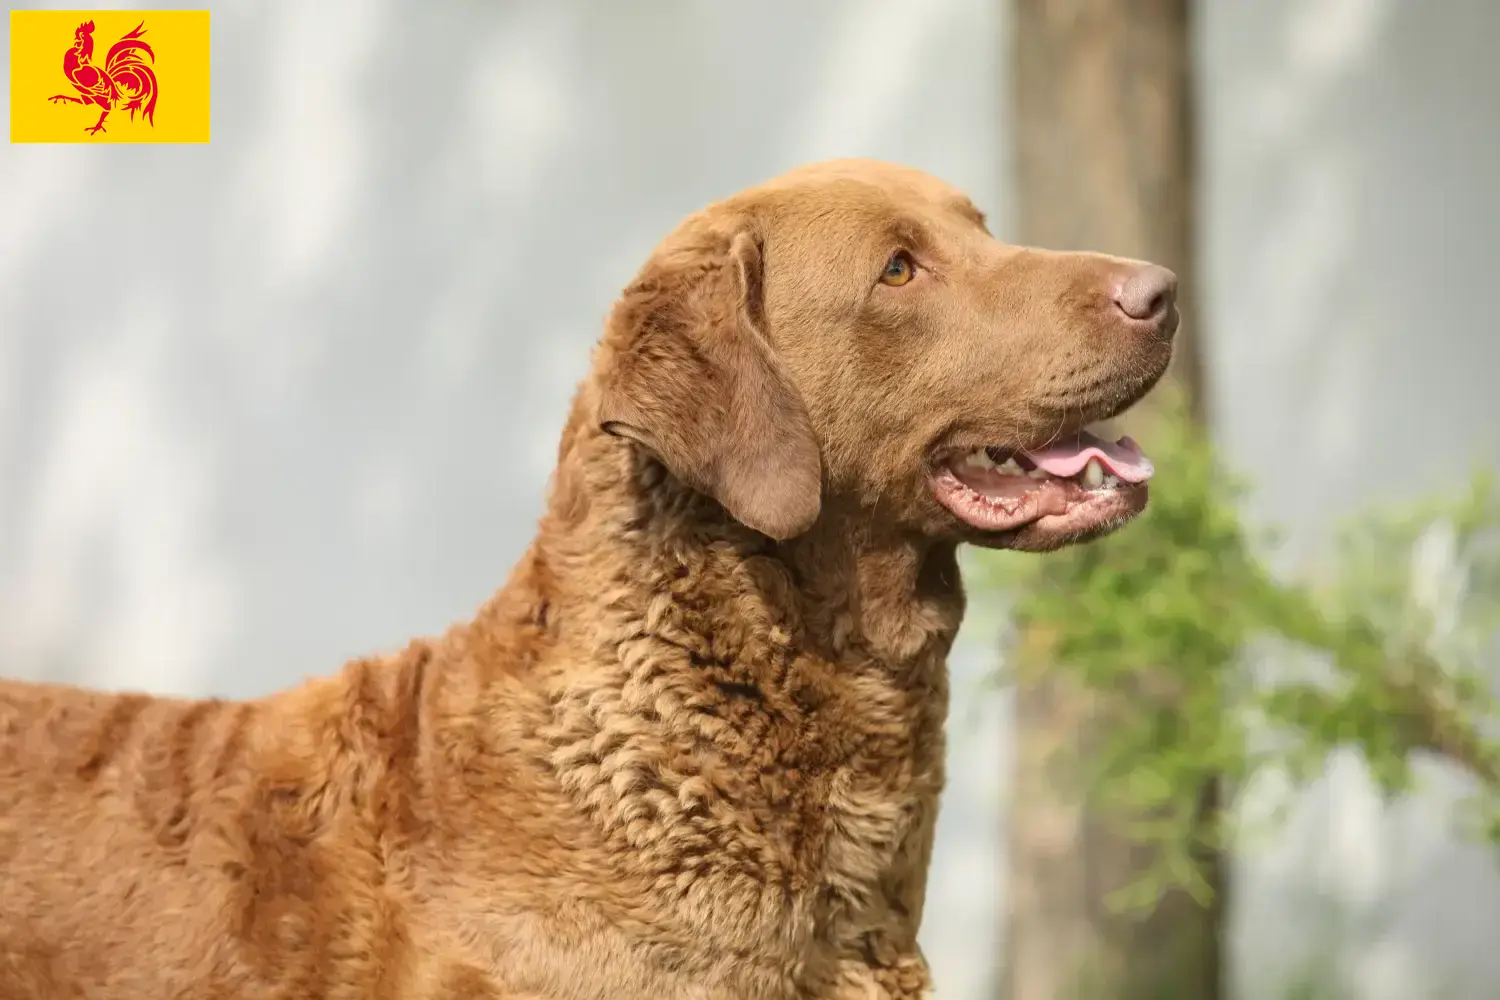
[(1055, 505), (1084, 521)]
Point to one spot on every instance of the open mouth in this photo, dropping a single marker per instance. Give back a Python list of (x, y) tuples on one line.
[(1077, 486)]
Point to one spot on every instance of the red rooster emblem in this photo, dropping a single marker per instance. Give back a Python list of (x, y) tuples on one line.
[(125, 79)]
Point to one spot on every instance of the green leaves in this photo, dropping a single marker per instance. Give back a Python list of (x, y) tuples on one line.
[(1178, 617)]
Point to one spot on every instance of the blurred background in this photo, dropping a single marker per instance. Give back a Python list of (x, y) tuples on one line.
[(293, 396)]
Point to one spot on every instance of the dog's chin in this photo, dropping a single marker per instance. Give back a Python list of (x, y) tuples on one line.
[(1074, 490)]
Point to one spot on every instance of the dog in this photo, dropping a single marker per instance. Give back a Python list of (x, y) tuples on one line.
[(693, 747)]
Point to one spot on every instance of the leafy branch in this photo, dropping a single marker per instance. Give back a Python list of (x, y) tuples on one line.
[(1214, 668)]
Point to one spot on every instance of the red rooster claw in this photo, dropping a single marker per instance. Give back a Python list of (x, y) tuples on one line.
[(98, 126), (66, 98)]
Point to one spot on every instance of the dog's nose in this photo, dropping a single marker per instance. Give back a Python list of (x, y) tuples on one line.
[(1147, 293)]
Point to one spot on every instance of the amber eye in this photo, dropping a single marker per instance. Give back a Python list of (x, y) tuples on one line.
[(898, 270)]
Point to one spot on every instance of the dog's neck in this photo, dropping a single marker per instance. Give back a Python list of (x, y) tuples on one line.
[(847, 587), (883, 592)]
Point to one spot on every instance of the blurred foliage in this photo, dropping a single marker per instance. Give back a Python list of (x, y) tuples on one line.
[(1226, 671)]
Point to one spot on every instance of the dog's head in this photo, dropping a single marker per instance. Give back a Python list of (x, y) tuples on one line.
[(850, 336)]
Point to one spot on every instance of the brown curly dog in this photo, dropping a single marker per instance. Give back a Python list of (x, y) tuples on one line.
[(693, 748)]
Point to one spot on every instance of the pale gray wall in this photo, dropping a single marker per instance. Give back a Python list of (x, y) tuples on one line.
[(1352, 156), (293, 396)]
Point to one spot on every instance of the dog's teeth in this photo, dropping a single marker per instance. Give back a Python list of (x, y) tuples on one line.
[(1039, 474), (979, 459), (1093, 474), (1111, 480), (1011, 468)]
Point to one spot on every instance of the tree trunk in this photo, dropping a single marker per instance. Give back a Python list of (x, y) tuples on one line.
[(1104, 162)]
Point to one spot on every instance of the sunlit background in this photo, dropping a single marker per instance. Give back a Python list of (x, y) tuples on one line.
[(293, 396)]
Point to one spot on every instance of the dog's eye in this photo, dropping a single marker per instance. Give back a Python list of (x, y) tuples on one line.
[(898, 270)]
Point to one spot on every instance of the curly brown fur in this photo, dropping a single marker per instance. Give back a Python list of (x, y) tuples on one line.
[(692, 748)]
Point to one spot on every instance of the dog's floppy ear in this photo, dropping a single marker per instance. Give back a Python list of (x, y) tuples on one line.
[(695, 381)]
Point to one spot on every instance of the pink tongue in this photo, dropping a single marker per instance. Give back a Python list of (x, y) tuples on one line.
[(1067, 459)]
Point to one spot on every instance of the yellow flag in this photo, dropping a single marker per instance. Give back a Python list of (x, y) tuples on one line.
[(109, 76)]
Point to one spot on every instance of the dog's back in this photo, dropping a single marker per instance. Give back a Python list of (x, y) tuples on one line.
[(160, 847), (98, 793)]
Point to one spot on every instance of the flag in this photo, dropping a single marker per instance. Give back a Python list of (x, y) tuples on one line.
[(109, 76)]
